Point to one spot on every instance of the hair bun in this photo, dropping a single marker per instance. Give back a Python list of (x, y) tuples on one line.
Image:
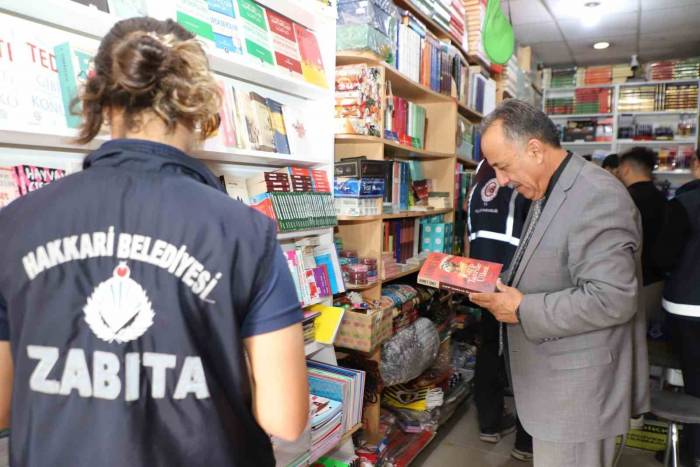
[(139, 62)]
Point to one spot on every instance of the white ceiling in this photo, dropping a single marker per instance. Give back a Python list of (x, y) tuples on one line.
[(653, 29)]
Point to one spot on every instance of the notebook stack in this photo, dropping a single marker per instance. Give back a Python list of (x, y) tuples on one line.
[(368, 26), (343, 385), (326, 424)]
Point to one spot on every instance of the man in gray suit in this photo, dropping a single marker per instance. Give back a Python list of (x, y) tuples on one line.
[(576, 345)]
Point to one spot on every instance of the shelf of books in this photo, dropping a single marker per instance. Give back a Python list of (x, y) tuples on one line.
[(274, 60), (600, 110), (406, 139)]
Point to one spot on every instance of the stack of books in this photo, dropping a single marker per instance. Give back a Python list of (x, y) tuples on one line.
[(658, 97), (562, 77), (422, 57), (673, 69), (476, 14), (326, 424), (22, 179), (296, 198), (621, 72), (405, 186), (358, 100), (458, 27), (559, 105), (405, 122), (309, 325), (343, 385), (359, 187), (401, 238), (593, 100), (315, 269)]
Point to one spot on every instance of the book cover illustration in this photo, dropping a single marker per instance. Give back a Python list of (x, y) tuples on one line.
[(358, 91), (248, 118), (227, 36), (298, 136), (263, 119), (29, 178), (236, 187), (256, 37), (74, 67), (459, 274), (284, 43), (194, 16), (280, 137), (8, 187), (311, 62), (238, 118)]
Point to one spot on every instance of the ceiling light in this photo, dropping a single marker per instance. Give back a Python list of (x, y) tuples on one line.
[(590, 14), (601, 45)]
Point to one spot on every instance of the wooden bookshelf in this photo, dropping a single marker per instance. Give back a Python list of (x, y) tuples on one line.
[(365, 234)]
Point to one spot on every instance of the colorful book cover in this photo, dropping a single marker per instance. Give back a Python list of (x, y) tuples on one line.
[(8, 187), (459, 274), (297, 127), (194, 16), (238, 118), (256, 37), (74, 66), (29, 178), (281, 142), (128, 8), (261, 113), (328, 324), (311, 61), (284, 43), (224, 24)]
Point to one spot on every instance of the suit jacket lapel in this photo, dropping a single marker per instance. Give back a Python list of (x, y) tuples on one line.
[(554, 203)]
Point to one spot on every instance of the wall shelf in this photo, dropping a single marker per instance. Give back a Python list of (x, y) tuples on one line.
[(553, 116), (398, 215), (399, 150), (468, 112), (671, 142)]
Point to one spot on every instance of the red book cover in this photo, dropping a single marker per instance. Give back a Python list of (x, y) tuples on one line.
[(29, 178), (284, 42), (459, 274), (311, 61)]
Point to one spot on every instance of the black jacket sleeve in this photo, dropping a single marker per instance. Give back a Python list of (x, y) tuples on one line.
[(672, 238)]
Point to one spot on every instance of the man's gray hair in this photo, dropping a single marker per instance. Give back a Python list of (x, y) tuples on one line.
[(521, 121)]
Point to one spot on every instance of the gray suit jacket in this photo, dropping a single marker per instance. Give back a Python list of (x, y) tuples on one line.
[(578, 357)]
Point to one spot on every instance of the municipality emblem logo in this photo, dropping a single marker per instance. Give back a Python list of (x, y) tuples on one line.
[(119, 309), (490, 191)]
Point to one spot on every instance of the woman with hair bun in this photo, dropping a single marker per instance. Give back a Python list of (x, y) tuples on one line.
[(146, 318)]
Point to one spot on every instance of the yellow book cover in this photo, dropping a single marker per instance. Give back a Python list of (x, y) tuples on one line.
[(328, 323)]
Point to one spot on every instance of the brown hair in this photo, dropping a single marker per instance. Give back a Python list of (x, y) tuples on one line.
[(146, 64)]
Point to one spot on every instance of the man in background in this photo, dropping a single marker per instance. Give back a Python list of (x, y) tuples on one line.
[(636, 173), (571, 296), (495, 218), (611, 164)]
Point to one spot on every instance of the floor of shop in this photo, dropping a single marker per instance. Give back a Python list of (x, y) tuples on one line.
[(457, 444)]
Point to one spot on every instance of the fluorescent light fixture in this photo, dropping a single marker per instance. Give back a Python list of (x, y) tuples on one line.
[(590, 14), (601, 45)]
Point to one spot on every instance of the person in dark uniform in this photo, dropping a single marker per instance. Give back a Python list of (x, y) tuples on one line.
[(636, 173), (495, 221), (141, 308), (681, 295)]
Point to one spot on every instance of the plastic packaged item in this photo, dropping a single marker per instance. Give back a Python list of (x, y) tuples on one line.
[(380, 15), (409, 353), (357, 274), (372, 270), (365, 38)]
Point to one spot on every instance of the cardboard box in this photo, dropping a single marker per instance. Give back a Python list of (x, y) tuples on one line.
[(365, 331)]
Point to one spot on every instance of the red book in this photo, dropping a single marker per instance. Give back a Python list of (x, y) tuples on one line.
[(459, 274), (284, 42)]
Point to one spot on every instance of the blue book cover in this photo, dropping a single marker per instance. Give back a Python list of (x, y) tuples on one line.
[(280, 136), (325, 388)]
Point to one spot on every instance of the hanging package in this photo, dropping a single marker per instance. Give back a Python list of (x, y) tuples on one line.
[(498, 37)]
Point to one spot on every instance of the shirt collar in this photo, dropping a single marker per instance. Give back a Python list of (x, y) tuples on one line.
[(149, 156), (555, 178)]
